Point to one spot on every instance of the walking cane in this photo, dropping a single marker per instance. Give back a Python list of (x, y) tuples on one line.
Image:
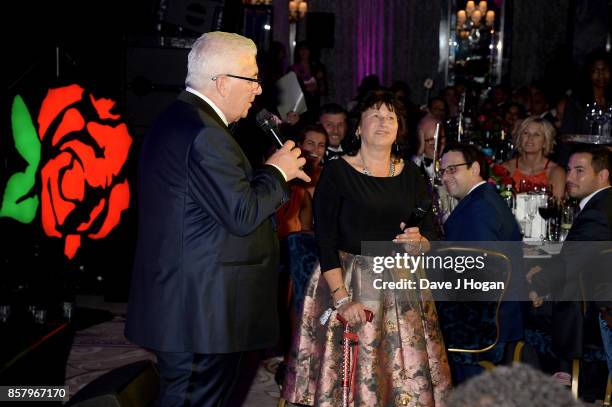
[(350, 343)]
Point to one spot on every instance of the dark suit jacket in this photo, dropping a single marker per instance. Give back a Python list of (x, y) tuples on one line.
[(204, 277), (578, 260), (482, 216)]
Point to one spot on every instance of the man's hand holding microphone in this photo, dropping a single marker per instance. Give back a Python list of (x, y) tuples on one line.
[(288, 159)]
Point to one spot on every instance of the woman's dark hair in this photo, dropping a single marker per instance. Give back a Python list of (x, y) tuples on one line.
[(375, 99)]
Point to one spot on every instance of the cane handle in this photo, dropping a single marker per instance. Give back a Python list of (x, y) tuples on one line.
[(369, 317)]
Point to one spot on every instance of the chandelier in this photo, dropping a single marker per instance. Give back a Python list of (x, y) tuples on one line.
[(471, 17)]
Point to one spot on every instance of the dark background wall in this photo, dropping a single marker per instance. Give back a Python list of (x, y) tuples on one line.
[(547, 41), (412, 26), (539, 41)]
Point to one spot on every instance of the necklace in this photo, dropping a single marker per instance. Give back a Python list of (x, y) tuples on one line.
[(367, 171)]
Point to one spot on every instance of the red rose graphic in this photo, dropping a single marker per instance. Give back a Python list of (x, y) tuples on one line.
[(84, 150)]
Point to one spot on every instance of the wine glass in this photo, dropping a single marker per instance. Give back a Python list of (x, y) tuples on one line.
[(531, 208), (549, 211), (545, 213), (567, 219)]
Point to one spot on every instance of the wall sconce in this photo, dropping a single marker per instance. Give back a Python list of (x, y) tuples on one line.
[(297, 10)]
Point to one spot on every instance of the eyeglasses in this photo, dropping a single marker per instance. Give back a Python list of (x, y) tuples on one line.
[(244, 78), (451, 169)]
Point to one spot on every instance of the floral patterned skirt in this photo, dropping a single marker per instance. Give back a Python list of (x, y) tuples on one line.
[(401, 360)]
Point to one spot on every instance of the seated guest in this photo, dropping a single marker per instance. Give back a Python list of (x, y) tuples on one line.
[(335, 121), (437, 108), (424, 158), (452, 102), (588, 179), (312, 140), (539, 106), (297, 249), (512, 113), (531, 168), (596, 87), (480, 216)]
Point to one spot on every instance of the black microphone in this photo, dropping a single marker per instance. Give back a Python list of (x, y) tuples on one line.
[(265, 120), (418, 214)]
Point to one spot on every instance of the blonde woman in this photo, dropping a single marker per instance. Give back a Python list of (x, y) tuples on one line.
[(531, 169)]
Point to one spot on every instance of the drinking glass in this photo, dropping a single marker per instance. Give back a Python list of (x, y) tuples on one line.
[(531, 208), (567, 219), (544, 212)]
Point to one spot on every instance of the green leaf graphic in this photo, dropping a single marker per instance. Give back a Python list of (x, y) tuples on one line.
[(21, 183)]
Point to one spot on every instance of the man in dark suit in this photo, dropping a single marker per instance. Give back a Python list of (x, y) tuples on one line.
[(588, 179), (482, 216), (204, 281), (335, 120)]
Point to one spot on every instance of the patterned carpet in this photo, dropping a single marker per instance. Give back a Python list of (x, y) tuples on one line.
[(102, 348)]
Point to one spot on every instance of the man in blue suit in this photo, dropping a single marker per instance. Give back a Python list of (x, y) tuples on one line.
[(482, 216), (204, 280)]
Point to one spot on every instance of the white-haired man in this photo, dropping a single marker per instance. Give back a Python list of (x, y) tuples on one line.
[(204, 281)]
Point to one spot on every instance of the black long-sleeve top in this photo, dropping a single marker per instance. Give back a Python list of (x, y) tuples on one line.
[(351, 207)]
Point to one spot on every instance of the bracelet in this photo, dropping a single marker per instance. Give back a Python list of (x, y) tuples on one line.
[(341, 302), (334, 291)]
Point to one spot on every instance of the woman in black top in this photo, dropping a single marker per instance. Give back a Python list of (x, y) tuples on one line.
[(365, 196)]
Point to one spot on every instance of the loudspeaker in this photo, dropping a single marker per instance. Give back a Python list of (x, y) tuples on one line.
[(196, 15), (320, 28), (133, 385)]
